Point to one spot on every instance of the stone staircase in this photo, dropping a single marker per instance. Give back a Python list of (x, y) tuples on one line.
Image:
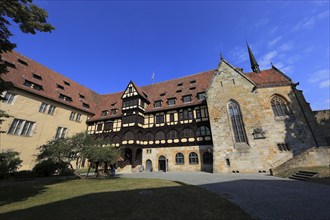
[(303, 175)]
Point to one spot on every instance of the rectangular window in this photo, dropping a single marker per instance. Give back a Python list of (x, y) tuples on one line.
[(72, 116), (185, 115), (201, 96), (9, 97), (78, 118), (61, 132), (43, 107), (186, 98), (51, 110), (32, 85), (171, 101), (85, 105), (66, 83), (113, 111), (160, 119), (38, 77), (64, 97), (129, 118), (158, 104), (21, 127), (171, 117), (108, 125), (60, 86), (99, 127), (23, 62), (81, 96), (104, 113), (283, 147)]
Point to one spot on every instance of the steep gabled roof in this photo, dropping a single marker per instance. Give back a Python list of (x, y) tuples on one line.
[(269, 78)]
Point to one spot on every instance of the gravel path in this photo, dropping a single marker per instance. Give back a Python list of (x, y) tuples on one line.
[(260, 195)]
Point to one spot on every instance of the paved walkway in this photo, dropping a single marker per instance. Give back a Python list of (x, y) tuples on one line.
[(262, 196)]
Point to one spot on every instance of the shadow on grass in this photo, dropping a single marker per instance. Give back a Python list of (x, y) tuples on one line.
[(20, 190), (176, 202)]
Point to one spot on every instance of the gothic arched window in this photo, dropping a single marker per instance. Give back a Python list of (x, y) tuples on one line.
[(236, 122), (279, 106), (128, 136)]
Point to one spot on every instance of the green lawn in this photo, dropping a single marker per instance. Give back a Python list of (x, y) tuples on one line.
[(112, 199)]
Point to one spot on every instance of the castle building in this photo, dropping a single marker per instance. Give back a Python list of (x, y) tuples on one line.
[(222, 120)]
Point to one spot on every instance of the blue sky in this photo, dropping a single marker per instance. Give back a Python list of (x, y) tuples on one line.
[(104, 44)]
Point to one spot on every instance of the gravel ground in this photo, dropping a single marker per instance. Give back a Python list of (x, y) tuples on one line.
[(260, 195)]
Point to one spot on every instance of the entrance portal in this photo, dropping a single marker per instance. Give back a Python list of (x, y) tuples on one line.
[(149, 165), (162, 163)]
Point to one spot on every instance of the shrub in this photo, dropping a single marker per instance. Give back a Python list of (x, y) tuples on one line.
[(50, 168), (9, 162), (25, 174)]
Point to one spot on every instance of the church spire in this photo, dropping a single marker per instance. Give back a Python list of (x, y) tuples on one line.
[(254, 64)]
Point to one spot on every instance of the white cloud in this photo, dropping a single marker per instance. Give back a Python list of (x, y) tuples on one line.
[(261, 22), (239, 54), (309, 22), (274, 41), (325, 84), (286, 46), (267, 59), (273, 30), (319, 75)]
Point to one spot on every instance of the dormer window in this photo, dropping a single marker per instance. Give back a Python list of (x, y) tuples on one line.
[(192, 88), (113, 104), (64, 97), (38, 77), (158, 104), (179, 90), (32, 85), (163, 94), (66, 83), (201, 96), (81, 96), (187, 98), (130, 89), (104, 113), (85, 105), (113, 111), (193, 81), (22, 62), (60, 86), (171, 101)]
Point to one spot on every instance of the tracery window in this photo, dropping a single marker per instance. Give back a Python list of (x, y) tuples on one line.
[(236, 122), (149, 136), (279, 106)]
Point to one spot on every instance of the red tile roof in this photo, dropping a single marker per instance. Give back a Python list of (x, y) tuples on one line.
[(176, 88), (49, 82)]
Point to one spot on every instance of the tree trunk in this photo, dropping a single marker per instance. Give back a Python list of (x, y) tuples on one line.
[(97, 169), (106, 168)]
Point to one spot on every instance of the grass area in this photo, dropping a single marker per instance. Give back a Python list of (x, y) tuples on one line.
[(115, 198), (323, 177)]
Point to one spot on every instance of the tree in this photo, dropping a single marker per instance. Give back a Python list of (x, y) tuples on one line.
[(9, 162), (30, 19), (76, 148)]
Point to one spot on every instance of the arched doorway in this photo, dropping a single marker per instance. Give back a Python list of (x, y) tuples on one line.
[(162, 163), (149, 165), (128, 155)]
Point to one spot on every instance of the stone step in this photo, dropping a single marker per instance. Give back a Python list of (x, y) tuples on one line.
[(303, 175), (308, 173)]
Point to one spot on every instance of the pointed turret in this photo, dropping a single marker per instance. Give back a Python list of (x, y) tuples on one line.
[(254, 64)]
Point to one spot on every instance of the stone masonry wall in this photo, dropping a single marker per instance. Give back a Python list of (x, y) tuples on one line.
[(259, 154)]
